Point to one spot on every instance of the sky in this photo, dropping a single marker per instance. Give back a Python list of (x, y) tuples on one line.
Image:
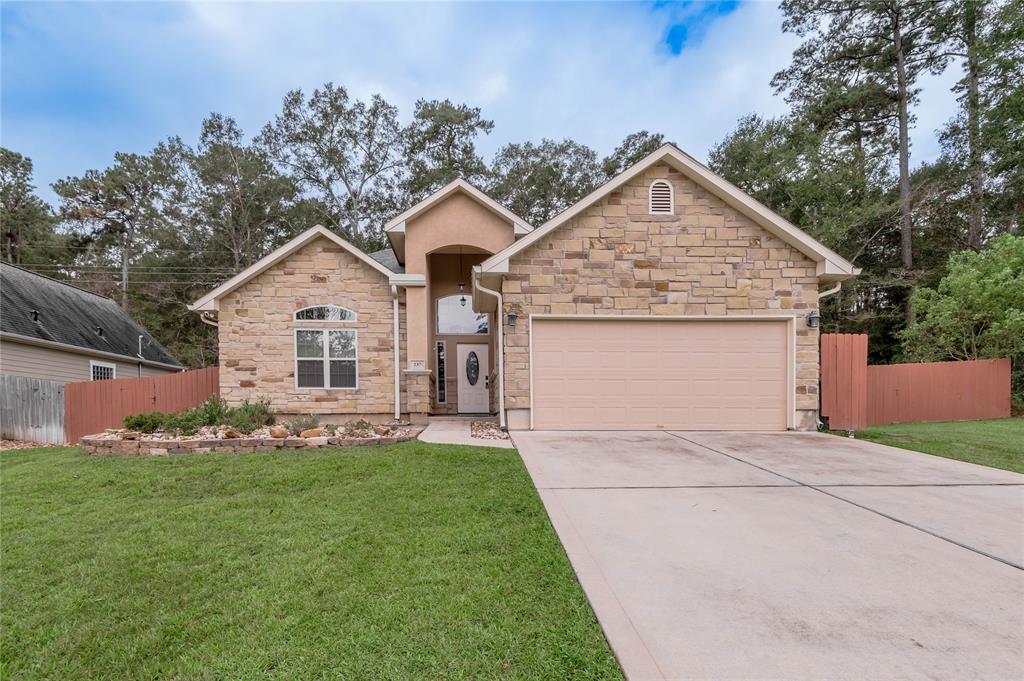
[(79, 81)]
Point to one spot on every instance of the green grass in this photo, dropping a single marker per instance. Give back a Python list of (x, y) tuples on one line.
[(998, 443), (409, 562)]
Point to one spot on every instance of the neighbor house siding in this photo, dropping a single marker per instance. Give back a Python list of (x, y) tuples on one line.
[(705, 260), (257, 333), (22, 359)]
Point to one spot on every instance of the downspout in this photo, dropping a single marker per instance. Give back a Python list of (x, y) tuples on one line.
[(501, 348), (206, 320), (824, 294), (398, 358)]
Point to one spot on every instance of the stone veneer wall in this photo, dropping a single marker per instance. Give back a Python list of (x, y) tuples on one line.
[(616, 258), (257, 333)]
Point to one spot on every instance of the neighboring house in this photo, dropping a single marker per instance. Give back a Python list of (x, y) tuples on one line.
[(666, 299), (58, 332)]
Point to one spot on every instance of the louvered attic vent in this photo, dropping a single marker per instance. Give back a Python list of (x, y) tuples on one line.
[(661, 198)]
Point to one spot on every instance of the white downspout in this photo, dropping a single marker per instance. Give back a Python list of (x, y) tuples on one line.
[(831, 291), (501, 348), (398, 356)]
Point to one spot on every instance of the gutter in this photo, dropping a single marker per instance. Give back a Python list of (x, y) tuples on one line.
[(501, 346), (398, 359), (29, 340)]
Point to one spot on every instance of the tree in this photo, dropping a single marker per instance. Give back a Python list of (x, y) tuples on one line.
[(28, 223), (632, 150), (124, 205), (441, 146), (234, 193), (349, 154), (538, 181), (866, 57), (976, 311)]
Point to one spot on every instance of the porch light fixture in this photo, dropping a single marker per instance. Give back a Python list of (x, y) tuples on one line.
[(462, 301), (462, 282), (512, 317), (813, 319)]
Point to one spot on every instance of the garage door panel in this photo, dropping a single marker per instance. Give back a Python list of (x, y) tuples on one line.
[(632, 374)]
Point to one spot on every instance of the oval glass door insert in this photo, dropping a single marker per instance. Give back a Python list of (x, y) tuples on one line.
[(472, 368)]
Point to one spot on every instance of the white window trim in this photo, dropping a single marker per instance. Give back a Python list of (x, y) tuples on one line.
[(469, 303), (325, 359), (671, 198), (355, 317), (444, 346), (107, 365)]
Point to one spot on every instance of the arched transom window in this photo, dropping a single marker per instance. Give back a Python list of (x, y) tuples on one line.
[(325, 313), (455, 316), (661, 199)]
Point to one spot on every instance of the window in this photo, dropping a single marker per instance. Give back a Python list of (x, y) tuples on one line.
[(442, 388), (325, 358), (325, 313), (102, 371), (455, 315), (661, 199)]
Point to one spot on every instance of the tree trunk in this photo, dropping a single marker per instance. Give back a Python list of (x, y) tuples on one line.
[(974, 223), (903, 97), (124, 270)]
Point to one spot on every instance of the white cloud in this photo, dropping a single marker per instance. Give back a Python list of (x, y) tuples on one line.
[(592, 72)]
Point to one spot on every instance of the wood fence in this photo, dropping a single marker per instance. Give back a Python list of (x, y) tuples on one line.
[(93, 406), (855, 395), (31, 409)]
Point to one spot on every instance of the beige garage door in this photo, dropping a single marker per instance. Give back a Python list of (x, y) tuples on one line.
[(644, 375)]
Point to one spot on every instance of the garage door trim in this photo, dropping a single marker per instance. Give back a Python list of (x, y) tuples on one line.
[(788, 319)]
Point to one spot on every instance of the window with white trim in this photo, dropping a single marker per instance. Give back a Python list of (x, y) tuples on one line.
[(326, 358), (662, 199), (325, 313), (102, 371)]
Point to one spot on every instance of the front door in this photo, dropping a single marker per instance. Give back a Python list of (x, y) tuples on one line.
[(474, 393)]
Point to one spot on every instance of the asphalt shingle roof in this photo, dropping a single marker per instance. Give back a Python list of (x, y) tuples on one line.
[(388, 258), (71, 315)]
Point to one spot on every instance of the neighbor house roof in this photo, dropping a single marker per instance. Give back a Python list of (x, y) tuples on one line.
[(831, 265), (38, 309), (379, 262), (395, 227)]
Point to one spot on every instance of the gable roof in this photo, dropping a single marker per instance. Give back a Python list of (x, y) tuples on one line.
[(69, 315), (387, 257), (395, 227), (208, 302), (831, 265)]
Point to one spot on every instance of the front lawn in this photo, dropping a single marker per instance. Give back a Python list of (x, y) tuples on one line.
[(414, 561), (998, 443)]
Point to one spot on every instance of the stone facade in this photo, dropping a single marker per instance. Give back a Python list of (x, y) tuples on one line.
[(616, 258), (257, 333)]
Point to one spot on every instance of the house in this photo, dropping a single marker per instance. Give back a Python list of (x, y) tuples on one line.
[(58, 332), (667, 298)]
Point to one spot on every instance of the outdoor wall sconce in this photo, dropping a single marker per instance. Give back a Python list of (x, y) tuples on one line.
[(813, 320), (512, 317)]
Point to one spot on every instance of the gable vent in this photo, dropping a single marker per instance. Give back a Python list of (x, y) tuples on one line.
[(661, 198)]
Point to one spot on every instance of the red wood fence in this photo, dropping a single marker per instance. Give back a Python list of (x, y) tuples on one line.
[(93, 406), (855, 395)]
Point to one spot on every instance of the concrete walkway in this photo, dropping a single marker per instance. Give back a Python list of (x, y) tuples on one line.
[(788, 555), (455, 430)]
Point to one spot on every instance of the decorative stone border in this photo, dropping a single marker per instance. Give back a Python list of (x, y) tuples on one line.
[(93, 444)]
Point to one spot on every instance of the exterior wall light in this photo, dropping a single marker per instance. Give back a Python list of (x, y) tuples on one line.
[(512, 317), (813, 319)]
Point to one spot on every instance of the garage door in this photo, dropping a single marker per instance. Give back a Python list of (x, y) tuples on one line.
[(644, 375)]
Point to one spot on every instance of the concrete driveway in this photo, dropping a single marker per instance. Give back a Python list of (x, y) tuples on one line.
[(788, 555)]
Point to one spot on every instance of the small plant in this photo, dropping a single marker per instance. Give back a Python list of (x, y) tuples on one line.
[(248, 416), (330, 428), (146, 423), (359, 426), (301, 423)]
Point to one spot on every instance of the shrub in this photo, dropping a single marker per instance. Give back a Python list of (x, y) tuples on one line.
[(361, 424), (146, 423), (301, 423), (248, 416)]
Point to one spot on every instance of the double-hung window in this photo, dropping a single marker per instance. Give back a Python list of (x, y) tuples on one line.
[(325, 358)]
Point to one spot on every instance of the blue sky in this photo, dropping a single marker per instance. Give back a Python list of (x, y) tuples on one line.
[(82, 80)]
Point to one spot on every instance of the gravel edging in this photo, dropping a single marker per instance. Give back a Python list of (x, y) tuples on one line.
[(91, 444)]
